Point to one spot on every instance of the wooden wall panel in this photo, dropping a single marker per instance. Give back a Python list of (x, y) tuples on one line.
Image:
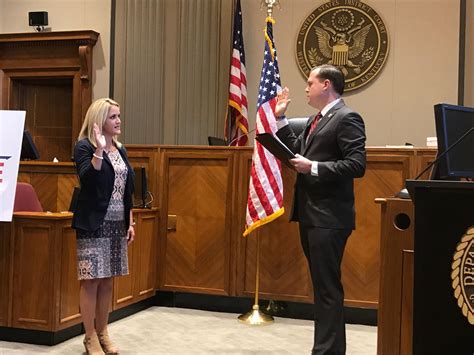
[(53, 183), (65, 187), (196, 255), (424, 158), (124, 285), (283, 275), (49, 74), (394, 240), (147, 240), (140, 283), (69, 312), (33, 279), (147, 156), (385, 175), (5, 271), (48, 106), (406, 336), (283, 270), (206, 188), (41, 264)]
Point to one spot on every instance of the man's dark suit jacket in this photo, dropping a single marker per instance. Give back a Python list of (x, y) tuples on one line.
[(338, 144), (97, 187)]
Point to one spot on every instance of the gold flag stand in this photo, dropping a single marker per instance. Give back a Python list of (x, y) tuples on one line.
[(255, 316)]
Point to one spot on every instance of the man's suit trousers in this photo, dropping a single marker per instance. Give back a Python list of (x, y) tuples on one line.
[(324, 248)]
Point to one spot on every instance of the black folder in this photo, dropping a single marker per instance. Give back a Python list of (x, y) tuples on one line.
[(276, 147)]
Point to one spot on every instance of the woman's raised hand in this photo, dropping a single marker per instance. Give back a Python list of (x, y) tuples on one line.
[(99, 137)]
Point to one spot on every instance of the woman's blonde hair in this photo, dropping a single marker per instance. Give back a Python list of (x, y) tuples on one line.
[(97, 113)]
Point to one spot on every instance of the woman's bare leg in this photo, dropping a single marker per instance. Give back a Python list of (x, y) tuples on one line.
[(87, 301)]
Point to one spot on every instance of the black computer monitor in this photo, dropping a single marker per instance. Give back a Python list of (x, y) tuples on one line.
[(452, 122), (216, 141), (28, 148), (141, 194)]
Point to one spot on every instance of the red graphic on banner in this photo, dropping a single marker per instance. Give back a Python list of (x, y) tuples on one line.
[(2, 164)]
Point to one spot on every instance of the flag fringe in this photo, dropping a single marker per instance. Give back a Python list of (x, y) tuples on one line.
[(268, 39), (263, 221)]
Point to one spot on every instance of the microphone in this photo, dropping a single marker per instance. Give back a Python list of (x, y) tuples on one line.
[(243, 135), (403, 193)]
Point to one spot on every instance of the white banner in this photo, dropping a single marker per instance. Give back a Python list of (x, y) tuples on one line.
[(11, 136)]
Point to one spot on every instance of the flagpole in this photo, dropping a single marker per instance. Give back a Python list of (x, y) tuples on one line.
[(255, 316)]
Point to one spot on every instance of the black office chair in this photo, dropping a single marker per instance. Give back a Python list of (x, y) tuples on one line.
[(298, 124)]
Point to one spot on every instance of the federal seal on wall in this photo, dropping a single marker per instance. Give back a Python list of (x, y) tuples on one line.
[(462, 275), (348, 34)]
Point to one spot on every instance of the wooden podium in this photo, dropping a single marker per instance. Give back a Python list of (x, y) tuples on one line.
[(394, 322), (443, 303)]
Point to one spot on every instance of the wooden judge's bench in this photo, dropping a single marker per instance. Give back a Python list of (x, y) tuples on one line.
[(190, 242)]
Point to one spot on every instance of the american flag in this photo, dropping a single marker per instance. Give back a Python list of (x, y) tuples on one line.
[(237, 126), (265, 198)]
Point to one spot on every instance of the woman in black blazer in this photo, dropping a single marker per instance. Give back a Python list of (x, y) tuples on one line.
[(103, 218)]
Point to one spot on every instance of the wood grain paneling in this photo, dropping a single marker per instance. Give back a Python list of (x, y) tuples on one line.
[(147, 241), (38, 259), (424, 158), (5, 271), (49, 74), (53, 183), (69, 312), (394, 240), (123, 285), (283, 275), (148, 157), (406, 324), (33, 276), (48, 106), (283, 272), (140, 283), (385, 175), (199, 192), (206, 189)]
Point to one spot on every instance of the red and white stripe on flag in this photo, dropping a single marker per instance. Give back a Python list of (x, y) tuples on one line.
[(265, 196), (236, 127)]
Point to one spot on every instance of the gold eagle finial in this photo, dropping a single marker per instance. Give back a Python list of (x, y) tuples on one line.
[(270, 4)]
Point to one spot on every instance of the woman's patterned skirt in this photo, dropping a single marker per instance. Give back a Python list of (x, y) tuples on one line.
[(102, 253)]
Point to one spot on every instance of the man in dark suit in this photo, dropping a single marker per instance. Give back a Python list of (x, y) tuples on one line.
[(330, 153)]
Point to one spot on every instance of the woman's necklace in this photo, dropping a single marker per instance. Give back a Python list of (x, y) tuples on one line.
[(111, 149)]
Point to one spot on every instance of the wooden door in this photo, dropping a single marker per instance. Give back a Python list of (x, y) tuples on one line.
[(196, 252), (48, 106)]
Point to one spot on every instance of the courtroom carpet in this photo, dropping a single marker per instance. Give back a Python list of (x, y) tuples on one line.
[(162, 330)]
